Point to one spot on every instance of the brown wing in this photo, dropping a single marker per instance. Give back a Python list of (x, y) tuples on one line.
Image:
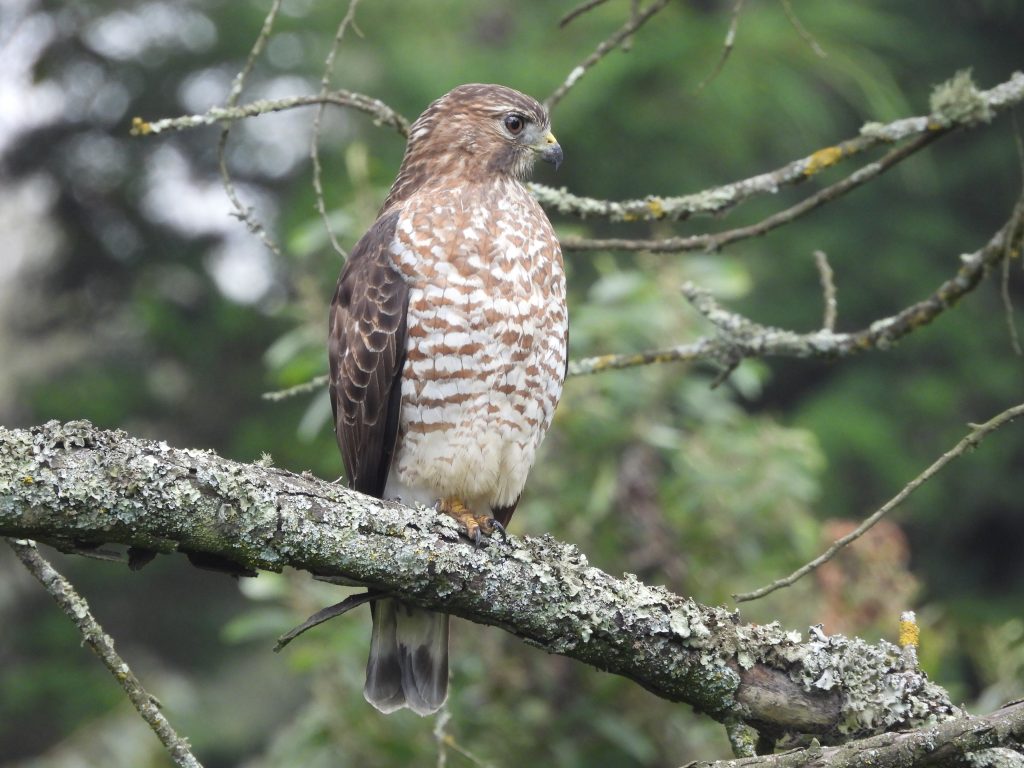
[(366, 348)]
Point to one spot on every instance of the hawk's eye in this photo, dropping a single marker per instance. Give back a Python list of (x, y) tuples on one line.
[(515, 123)]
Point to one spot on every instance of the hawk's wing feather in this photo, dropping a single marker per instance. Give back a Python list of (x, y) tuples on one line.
[(366, 345)]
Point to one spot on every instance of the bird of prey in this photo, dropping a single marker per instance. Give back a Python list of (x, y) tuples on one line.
[(447, 345)]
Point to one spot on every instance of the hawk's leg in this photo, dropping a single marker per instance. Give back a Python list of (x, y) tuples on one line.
[(475, 526)]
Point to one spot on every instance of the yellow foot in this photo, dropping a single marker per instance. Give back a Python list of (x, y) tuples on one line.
[(474, 526)]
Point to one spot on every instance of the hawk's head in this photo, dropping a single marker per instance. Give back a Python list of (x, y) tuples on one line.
[(480, 130)]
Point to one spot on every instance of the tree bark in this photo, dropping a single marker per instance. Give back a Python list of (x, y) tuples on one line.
[(76, 487)]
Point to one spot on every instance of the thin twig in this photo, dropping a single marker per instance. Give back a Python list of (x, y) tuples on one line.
[(579, 10), (382, 113), (445, 741), (440, 723), (971, 440), (1004, 285), (828, 290), (741, 336), (607, 46), (722, 198), (243, 213), (77, 609), (714, 241), (634, 11), (730, 40), (314, 142), (802, 30), (1008, 312), (314, 384)]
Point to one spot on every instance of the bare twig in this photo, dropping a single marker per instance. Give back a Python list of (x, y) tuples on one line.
[(802, 30), (1004, 285), (745, 338), (716, 240), (1008, 312), (971, 440), (243, 213), (730, 40), (634, 11), (828, 290), (606, 46), (579, 10), (77, 609), (382, 113), (314, 384), (445, 741), (314, 142), (720, 199)]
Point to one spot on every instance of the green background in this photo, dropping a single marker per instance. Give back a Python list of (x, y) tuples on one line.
[(129, 296)]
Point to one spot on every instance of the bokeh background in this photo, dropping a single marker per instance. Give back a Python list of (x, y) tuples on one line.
[(130, 296)]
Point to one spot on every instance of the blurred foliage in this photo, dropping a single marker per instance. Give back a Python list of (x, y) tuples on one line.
[(135, 300)]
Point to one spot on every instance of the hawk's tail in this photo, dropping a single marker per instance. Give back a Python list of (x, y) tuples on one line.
[(408, 664)]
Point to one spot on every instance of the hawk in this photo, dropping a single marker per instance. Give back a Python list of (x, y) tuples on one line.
[(447, 344)]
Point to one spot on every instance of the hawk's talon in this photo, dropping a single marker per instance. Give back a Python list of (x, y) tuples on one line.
[(475, 527)]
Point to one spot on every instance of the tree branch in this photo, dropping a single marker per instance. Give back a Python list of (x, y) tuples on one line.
[(739, 337), (714, 241), (73, 485), (381, 112), (623, 33), (77, 609), (968, 443), (976, 106), (946, 743)]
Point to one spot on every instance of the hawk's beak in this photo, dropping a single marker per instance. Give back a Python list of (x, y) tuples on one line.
[(549, 150)]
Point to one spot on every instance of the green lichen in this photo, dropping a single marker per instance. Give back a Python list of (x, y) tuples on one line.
[(958, 101)]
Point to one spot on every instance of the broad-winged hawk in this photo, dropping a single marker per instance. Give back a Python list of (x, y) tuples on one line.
[(447, 346)]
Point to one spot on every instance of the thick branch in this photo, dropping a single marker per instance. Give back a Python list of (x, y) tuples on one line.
[(951, 742), (74, 486)]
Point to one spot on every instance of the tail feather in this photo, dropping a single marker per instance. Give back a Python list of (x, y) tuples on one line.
[(408, 663)]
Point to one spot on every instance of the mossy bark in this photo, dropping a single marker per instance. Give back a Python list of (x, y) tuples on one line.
[(75, 486)]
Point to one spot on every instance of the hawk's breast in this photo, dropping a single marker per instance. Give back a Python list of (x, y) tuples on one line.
[(486, 348)]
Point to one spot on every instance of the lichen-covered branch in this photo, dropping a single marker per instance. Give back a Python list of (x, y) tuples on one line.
[(957, 103), (76, 609), (714, 241), (76, 486), (966, 740), (377, 109), (738, 337)]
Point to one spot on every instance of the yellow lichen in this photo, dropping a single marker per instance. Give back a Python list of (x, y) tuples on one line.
[(28, 480), (657, 209), (821, 159), (140, 127), (910, 633)]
